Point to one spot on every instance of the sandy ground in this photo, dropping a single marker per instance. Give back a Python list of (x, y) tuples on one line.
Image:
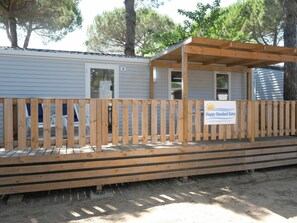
[(264, 196)]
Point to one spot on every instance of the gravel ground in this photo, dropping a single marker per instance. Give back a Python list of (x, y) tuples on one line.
[(264, 196)]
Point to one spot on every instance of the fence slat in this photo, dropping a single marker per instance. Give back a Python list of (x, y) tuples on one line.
[(228, 132), (47, 123), (135, 123), (99, 125), (82, 122), (93, 119), (144, 121), (154, 121), (235, 126), (263, 119), (205, 132), (163, 121), (213, 134), (269, 118), (293, 118), (252, 111), (125, 122), (70, 123), (59, 123), (221, 131), (115, 121), (104, 130), (281, 118), (256, 118), (180, 120), (275, 120), (171, 121), (34, 123), (287, 117), (242, 119), (198, 121), (8, 123), (190, 120), (22, 125)]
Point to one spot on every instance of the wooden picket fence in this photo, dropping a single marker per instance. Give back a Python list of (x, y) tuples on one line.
[(127, 121)]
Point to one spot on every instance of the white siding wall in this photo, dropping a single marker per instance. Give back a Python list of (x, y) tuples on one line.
[(201, 85), (58, 78)]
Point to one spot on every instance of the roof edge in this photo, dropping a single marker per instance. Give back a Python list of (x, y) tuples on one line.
[(71, 55)]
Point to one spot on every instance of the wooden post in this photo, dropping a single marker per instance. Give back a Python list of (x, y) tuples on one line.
[(185, 95), (249, 84), (8, 125), (251, 111), (151, 81)]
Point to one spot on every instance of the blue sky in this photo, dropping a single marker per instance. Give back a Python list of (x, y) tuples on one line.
[(75, 40)]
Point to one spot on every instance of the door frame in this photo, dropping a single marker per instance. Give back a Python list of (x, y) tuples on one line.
[(114, 67)]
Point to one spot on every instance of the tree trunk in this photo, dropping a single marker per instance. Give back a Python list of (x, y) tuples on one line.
[(12, 27), (290, 40), (130, 27), (29, 32)]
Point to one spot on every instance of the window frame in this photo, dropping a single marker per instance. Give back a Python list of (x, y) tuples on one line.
[(114, 67), (169, 80), (215, 84)]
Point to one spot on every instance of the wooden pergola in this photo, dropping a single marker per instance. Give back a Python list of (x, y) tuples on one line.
[(196, 53)]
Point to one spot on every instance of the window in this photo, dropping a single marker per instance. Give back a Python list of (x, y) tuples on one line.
[(101, 81), (222, 86), (175, 85)]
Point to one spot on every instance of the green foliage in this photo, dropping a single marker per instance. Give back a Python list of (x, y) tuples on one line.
[(104, 38), (203, 20), (171, 37), (51, 20), (264, 21), (246, 21)]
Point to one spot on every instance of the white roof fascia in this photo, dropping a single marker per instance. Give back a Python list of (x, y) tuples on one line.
[(70, 56)]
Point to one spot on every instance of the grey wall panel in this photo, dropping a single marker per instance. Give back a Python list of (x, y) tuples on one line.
[(269, 83), (161, 83), (24, 77), (201, 85), (238, 86), (134, 82)]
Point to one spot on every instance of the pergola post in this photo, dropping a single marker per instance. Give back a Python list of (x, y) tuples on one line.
[(185, 96), (249, 84), (151, 81)]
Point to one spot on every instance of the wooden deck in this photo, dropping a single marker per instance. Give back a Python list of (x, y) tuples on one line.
[(48, 169)]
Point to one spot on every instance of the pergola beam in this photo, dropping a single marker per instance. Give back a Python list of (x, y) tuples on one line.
[(240, 62), (207, 51), (192, 66), (214, 61)]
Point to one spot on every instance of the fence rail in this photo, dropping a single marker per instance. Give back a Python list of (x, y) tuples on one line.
[(97, 122)]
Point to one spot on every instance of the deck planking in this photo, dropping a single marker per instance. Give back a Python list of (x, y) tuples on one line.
[(41, 169), (125, 148)]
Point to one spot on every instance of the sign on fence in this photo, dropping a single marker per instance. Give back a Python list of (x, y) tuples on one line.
[(219, 112)]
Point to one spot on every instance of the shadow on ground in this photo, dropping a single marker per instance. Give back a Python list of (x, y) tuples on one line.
[(255, 197)]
